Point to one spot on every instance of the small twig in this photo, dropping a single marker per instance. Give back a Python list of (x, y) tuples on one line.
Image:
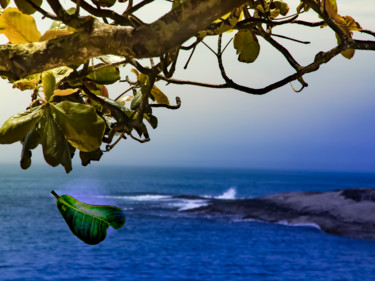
[(367, 32), (139, 140), (131, 9), (226, 45), (109, 147), (209, 47), (177, 106), (131, 88), (42, 11), (280, 36), (296, 91), (311, 24)]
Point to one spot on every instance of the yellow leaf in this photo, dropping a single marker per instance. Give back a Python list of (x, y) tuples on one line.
[(28, 83), (18, 27), (351, 23), (159, 96), (65, 92), (348, 53), (52, 34)]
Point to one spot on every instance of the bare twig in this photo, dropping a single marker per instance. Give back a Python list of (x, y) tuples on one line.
[(177, 106)]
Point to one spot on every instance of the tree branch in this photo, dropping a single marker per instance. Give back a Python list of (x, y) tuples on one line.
[(94, 38)]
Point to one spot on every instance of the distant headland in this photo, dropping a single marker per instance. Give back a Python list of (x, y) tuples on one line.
[(346, 212)]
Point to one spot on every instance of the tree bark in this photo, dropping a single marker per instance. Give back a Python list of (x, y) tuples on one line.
[(95, 38)]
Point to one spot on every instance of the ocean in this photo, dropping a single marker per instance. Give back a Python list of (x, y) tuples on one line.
[(162, 242)]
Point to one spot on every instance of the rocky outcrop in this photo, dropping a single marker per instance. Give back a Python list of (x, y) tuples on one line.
[(349, 212)]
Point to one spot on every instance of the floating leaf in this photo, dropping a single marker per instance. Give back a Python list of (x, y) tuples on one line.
[(18, 27), (89, 222), (247, 46), (18, 126), (159, 96), (52, 34), (105, 75), (80, 124), (26, 8)]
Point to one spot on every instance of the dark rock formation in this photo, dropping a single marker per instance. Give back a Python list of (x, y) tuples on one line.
[(349, 212)]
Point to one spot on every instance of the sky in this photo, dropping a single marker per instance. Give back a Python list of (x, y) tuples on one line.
[(329, 126)]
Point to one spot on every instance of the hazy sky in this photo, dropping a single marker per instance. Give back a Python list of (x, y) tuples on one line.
[(328, 126)]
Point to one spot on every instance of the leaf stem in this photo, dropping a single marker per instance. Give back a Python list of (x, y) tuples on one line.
[(55, 194)]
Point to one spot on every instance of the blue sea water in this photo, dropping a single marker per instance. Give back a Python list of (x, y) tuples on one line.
[(161, 242)]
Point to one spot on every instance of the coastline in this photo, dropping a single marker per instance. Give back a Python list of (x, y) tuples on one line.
[(344, 212)]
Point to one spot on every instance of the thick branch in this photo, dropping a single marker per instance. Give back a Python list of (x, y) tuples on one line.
[(95, 38)]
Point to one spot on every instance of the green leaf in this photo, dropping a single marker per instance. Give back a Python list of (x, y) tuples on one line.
[(247, 46), (152, 120), (80, 124), (25, 7), (136, 101), (55, 148), (89, 222), (105, 75), (61, 72), (281, 6), (87, 157), (18, 126), (18, 27), (32, 140), (49, 84)]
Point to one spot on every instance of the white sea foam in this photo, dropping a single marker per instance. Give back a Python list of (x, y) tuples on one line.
[(303, 224), (186, 204), (145, 197), (228, 194)]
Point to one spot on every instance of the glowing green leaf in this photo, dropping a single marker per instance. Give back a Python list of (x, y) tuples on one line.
[(89, 222)]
